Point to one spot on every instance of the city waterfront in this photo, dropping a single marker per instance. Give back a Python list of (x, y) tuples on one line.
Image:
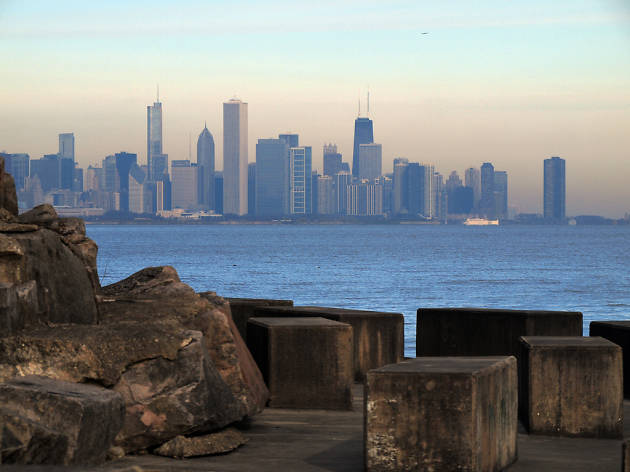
[(388, 268)]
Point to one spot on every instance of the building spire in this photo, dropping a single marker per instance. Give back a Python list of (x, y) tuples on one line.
[(359, 115), (158, 93)]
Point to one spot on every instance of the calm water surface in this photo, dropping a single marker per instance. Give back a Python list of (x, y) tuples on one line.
[(390, 268)]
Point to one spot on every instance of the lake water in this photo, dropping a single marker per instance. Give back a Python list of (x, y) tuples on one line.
[(388, 267)]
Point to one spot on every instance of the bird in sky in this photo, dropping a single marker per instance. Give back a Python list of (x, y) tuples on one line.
[(424, 33)]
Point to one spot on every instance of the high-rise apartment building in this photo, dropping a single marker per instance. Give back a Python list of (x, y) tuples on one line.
[(501, 193), (325, 195), (401, 186), (272, 177), (235, 157), (370, 161), (154, 135), (66, 146), (363, 134), (487, 205), (292, 139), (205, 168), (300, 180), (554, 191), (472, 179), (341, 182), (251, 188), (184, 183), (332, 160), (124, 162), (365, 199)]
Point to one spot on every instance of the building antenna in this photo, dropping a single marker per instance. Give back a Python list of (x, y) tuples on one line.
[(189, 146), (158, 93), (359, 107), (368, 102)]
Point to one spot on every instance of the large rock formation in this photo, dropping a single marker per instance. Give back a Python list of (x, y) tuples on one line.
[(8, 195), (157, 293), (48, 265), (51, 421), (170, 353), (173, 357)]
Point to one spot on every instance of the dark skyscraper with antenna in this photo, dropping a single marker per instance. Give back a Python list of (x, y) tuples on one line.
[(363, 134)]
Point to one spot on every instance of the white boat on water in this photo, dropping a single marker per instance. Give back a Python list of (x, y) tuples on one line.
[(481, 222)]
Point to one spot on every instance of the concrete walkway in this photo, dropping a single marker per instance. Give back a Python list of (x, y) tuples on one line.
[(316, 440)]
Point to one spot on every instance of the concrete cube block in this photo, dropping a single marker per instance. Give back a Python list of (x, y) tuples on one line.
[(571, 386), (442, 413), (306, 362), (243, 309), (487, 332), (619, 333), (378, 337)]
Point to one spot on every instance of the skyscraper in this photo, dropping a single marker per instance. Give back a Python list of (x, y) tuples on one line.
[(363, 134), (342, 180), (184, 184), (251, 188), (300, 180), (205, 167), (370, 161), (401, 186), (235, 157), (473, 180), (554, 192), (272, 170), (325, 195), (124, 162), (332, 159), (501, 193), (66, 146), (487, 205), (154, 134)]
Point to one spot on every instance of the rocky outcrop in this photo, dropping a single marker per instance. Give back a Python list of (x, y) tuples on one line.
[(209, 444), (55, 422), (158, 293), (8, 195), (47, 270), (172, 358)]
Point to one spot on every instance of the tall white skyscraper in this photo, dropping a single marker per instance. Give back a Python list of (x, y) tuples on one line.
[(66, 146), (154, 135), (235, 157)]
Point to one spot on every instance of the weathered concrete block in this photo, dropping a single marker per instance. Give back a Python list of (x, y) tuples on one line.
[(378, 337), (487, 332), (51, 421), (625, 456), (571, 386), (619, 333), (306, 362), (442, 413), (243, 309)]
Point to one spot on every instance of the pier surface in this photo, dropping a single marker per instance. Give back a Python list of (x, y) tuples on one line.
[(318, 440)]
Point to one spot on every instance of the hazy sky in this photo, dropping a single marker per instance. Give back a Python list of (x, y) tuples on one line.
[(507, 82)]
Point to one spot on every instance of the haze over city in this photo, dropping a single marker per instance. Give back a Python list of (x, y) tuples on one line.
[(505, 83)]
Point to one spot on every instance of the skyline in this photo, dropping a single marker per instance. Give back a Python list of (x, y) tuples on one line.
[(498, 83)]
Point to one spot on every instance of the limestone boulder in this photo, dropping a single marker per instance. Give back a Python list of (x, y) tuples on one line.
[(166, 398), (65, 290), (163, 372), (205, 445), (54, 422), (158, 293), (8, 195)]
